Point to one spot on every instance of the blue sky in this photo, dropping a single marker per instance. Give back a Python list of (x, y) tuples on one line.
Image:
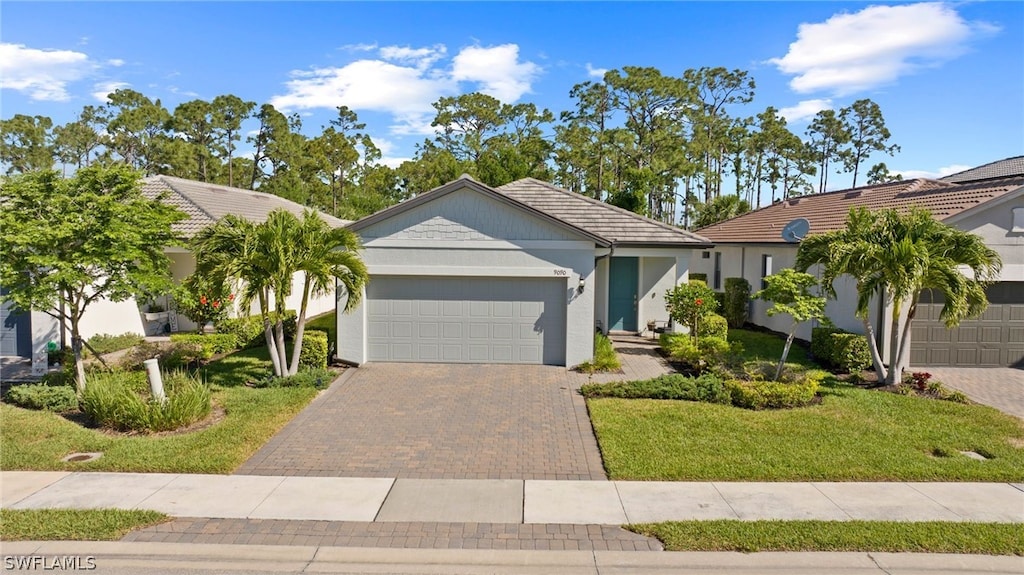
[(949, 77)]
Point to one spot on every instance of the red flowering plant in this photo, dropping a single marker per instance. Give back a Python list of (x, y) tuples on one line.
[(689, 303), (204, 301)]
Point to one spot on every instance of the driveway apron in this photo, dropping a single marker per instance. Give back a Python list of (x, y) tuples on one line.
[(437, 421)]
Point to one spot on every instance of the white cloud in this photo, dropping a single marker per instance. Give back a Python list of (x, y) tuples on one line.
[(42, 74), (404, 81), (103, 89), (596, 72), (115, 62), (853, 52), (498, 71), (359, 47), (940, 173), (178, 91), (805, 110)]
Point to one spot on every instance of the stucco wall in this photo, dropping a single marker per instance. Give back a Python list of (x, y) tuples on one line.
[(995, 226), (657, 277)]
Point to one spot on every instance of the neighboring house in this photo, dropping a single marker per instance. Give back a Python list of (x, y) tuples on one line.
[(204, 204), (988, 201), (523, 273)]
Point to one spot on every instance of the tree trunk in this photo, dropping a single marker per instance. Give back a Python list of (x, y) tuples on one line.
[(76, 346), (876, 357), (894, 344), (300, 328), (902, 359), (268, 332), (785, 351)]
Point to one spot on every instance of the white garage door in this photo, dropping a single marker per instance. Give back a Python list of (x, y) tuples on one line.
[(466, 320)]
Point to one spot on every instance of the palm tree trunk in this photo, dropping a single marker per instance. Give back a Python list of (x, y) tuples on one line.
[(876, 357), (300, 328), (902, 359), (894, 344), (268, 332)]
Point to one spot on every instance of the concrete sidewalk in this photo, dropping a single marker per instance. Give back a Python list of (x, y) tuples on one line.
[(508, 501), (119, 557)]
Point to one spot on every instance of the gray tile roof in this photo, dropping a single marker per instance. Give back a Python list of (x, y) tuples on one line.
[(604, 220), (1009, 167), (206, 203)]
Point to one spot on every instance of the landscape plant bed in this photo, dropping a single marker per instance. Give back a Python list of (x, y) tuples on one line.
[(852, 435), (74, 524), (39, 440), (863, 536)]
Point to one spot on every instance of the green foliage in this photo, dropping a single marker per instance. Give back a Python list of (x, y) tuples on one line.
[(119, 400), (176, 355), (211, 344), (699, 277), (706, 387), (317, 378), (713, 325), (736, 306), (701, 354), (848, 352), (789, 292), (718, 209), (689, 303), (57, 398), (248, 330), (605, 358), (204, 300), (105, 343), (772, 394), (314, 350)]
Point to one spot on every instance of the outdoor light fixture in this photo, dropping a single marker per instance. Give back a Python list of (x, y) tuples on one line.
[(583, 284)]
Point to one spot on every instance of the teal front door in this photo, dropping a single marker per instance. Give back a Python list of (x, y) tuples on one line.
[(623, 277)]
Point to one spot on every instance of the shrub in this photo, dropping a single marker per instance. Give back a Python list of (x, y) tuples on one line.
[(314, 350), (713, 325), (707, 388), (105, 343), (698, 277), (688, 304), (248, 331), (736, 306), (605, 358), (57, 398), (211, 344), (720, 299), (841, 350), (702, 354), (176, 355), (203, 300), (121, 401), (318, 378), (762, 394)]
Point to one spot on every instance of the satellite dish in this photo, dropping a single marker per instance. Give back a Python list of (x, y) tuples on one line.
[(796, 230)]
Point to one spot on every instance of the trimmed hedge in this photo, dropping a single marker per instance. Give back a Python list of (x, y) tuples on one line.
[(211, 343), (713, 325), (707, 388), (840, 349), (248, 331), (697, 277), (796, 388), (56, 398), (314, 349), (736, 306)]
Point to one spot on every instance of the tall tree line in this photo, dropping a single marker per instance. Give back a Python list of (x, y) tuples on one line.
[(655, 144)]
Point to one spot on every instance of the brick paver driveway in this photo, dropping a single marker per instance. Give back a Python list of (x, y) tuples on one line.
[(999, 387), (440, 421)]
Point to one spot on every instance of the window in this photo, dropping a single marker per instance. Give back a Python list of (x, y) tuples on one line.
[(718, 271), (705, 255), (1018, 220), (766, 269)]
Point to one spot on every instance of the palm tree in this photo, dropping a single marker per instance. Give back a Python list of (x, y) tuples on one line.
[(900, 256), (325, 255)]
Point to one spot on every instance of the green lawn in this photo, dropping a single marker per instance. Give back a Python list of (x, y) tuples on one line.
[(73, 524), (852, 435), (865, 536), (767, 346), (37, 440)]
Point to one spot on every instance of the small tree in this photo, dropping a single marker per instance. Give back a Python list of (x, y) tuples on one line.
[(789, 290), (68, 243), (204, 300), (688, 303)]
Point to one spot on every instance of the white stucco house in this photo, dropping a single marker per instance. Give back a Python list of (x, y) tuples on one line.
[(988, 201), (522, 273), (25, 334)]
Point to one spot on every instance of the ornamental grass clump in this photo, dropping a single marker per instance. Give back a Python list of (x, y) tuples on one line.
[(121, 401)]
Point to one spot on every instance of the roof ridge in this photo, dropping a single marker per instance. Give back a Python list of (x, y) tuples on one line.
[(163, 180), (606, 205)]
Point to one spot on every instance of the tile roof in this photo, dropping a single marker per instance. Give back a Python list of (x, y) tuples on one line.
[(1009, 167), (206, 203), (612, 223), (828, 211)]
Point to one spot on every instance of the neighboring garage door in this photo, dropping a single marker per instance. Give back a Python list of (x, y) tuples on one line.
[(994, 339), (466, 320), (15, 331)]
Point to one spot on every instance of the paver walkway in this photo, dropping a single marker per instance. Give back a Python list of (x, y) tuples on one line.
[(999, 387), (440, 421)]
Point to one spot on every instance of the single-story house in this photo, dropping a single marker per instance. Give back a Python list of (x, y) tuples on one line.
[(988, 201), (25, 334), (521, 273)]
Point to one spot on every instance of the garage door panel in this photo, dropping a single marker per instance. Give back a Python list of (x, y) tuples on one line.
[(377, 329), (994, 339), (481, 320), (401, 330)]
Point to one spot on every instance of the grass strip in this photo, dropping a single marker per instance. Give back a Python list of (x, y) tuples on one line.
[(863, 536), (73, 524)]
